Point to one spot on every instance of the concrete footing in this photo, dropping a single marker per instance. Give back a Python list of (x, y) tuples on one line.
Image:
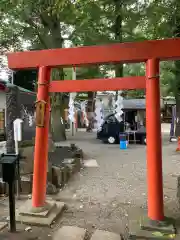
[(166, 226), (143, 228), (39, 216)]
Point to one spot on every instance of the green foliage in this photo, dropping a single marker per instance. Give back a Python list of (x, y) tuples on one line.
[(41, 22), (54, 23), (161, 19), (134, 70)]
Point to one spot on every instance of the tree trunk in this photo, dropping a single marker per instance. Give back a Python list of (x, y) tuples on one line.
[(175, 24), (57, 125), (90, 104), (57, 113), (50, 37), (90, 109), (177, 87), (118, 35)]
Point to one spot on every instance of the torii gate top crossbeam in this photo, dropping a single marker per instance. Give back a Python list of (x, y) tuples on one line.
[(113, 53), (94, 85)]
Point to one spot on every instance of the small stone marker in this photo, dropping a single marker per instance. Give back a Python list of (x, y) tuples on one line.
[(105, 235), (70, 233)]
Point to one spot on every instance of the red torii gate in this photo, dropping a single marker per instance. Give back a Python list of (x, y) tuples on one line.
[(150, 52)]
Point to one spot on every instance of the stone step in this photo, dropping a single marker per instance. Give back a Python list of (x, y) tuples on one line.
[(70, 233), (105, 235), (76, 233)]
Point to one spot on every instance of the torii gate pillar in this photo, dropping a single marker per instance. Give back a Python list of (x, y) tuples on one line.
[(41, 142), (154, 149)]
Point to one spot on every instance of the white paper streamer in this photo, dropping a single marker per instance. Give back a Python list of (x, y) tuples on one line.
[(72, 96), (31, 120), (71, 111), (119, 107), (83, 109), (99, 113)]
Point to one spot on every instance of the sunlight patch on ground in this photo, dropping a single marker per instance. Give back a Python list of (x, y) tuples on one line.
[(91, 163)]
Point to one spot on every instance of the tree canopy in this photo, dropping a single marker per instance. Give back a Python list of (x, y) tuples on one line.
[(44, 24)]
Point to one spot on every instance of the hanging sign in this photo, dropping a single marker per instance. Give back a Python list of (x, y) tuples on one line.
[(40, 113)]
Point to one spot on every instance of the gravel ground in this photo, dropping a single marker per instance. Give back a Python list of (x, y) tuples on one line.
[(102, 197)]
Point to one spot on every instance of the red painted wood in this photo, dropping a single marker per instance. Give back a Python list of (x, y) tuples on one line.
[(154, 149), (113, 53), (41, 143), (98, 84)]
